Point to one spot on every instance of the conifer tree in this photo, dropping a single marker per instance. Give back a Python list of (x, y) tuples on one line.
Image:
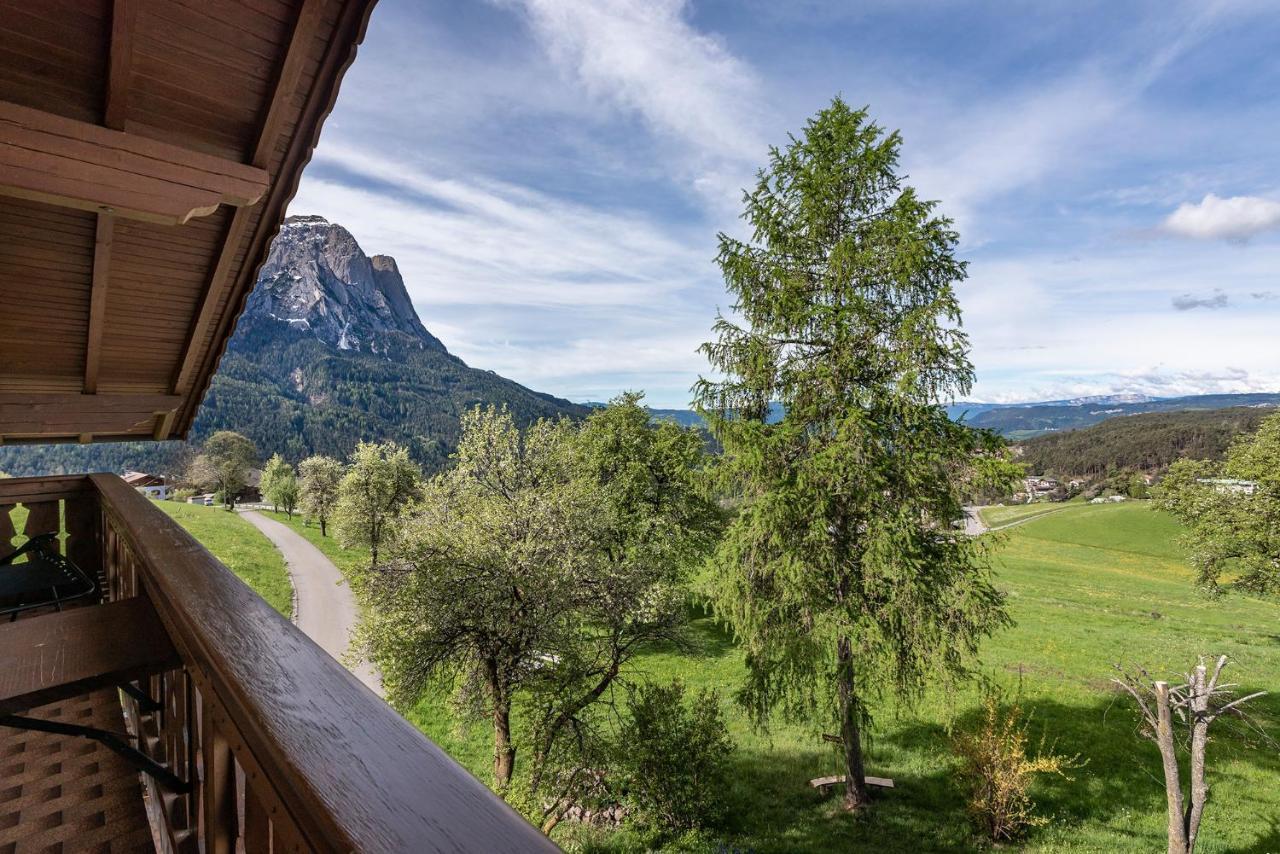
[(843, 574)]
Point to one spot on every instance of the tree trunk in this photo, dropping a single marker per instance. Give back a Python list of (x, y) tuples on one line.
[(322, 533), (855, 782), (1199, 739), (1172, 780), (504, 752)]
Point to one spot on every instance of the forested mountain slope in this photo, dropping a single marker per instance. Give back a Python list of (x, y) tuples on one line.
[(329, 351), (1146, 442)]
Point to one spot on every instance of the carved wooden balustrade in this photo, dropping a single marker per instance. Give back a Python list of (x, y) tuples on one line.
[(275, 747)]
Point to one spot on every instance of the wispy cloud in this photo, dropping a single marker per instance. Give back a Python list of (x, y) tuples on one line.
[(1187, 302), (540, 289), (1237, 218), (645, 58), (551, 175)]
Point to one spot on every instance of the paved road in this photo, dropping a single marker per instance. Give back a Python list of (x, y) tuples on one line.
[(326, 608), (974, 526)]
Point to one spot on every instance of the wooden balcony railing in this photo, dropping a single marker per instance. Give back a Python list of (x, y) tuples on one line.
[(279, 747)]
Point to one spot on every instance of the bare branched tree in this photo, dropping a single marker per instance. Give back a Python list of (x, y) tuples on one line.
[(1193, 705)]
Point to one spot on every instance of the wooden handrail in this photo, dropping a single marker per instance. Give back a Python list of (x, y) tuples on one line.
[(352, 774)]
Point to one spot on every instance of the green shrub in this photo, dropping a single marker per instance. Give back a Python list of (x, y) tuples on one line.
[(674, 754), (182, 494)]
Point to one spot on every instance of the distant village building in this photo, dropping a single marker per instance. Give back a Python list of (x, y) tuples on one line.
[(1231, 484), (1039, 486), (150, 485), (251, 493)]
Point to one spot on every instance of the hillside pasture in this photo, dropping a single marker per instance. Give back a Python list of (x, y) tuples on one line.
[(240, 546), (1090, 586), (1006, 514)]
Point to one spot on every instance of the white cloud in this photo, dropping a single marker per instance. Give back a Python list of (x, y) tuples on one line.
[(1214, 218), (645, 58)]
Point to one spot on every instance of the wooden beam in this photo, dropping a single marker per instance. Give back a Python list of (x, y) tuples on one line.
[(31, 414), (61, 161), (164, 425), (124, 14), (98, 301), (310, 19)]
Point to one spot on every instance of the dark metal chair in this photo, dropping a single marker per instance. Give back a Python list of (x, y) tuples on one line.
[(45, 578)]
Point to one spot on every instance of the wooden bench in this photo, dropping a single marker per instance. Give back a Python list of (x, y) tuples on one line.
[(56, 656), (825, 783)]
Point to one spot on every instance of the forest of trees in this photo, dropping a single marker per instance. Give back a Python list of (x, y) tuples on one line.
[(1148, 442)]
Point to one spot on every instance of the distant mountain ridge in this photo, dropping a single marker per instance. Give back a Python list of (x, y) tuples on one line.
[(1021, 421), (329, 351), (1024, 420)]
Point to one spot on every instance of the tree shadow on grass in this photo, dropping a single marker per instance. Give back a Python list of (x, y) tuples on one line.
[(772, 808), (1122, 775)]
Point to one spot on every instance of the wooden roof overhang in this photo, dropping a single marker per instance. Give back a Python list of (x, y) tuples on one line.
[(148, 150)]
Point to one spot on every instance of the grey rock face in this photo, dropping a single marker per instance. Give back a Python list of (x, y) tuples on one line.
[(317, 279)]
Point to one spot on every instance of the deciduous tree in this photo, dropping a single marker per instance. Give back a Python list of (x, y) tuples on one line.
[(1191, 707), (1231, 511), (538, 565), (224, 465), (380, 482), (843, 575), (279, 484), (321, 477)]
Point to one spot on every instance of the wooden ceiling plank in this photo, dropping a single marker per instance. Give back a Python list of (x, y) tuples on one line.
[(53, 159), (98, 302), (124, 17), (310, 18)]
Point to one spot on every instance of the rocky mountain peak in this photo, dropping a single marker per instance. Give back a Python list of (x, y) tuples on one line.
[(317, 279)]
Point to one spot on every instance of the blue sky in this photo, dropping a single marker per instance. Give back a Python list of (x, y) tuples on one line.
[(551, 175)]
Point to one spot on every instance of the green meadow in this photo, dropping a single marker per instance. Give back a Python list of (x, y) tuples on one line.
[(1089, 586), (994, 517), (239, 545)]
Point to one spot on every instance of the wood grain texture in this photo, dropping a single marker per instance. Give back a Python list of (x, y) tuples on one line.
[(124, 17), (98, 301), (72, 414), (61, 161), (172, 111), (60, 655), (353, 774)]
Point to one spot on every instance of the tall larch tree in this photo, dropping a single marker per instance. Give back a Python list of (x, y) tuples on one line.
[(843, 574)]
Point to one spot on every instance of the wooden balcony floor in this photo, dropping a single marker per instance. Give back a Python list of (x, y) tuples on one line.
[(63, 794)]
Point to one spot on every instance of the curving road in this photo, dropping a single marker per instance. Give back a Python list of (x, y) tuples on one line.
[(325, 608)]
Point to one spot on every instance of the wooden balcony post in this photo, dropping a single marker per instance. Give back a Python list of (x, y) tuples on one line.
[(220, 827)]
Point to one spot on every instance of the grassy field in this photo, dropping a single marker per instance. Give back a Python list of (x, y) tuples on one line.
[(239, 545), (998, 515), (1089, 586)]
